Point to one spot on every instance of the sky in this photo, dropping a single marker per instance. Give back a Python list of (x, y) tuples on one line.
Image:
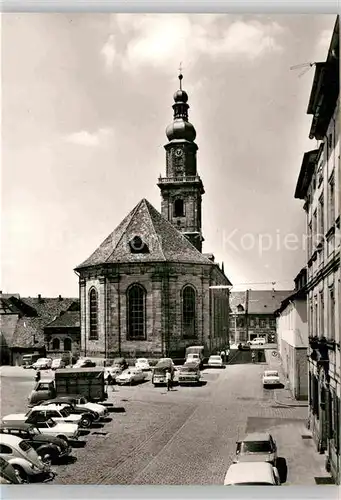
[(86, 99)]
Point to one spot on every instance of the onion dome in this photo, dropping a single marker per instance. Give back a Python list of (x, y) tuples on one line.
[(181, 128)]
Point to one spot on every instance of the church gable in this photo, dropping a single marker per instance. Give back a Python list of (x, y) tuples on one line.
[(145, 236)]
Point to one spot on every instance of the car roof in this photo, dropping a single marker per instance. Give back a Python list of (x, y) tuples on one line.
[(48, 407), (257, 436), (270, 371), (249, 472), (10, 439), (19, 426)]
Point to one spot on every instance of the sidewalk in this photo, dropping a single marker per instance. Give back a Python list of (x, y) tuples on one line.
[(283, 396)]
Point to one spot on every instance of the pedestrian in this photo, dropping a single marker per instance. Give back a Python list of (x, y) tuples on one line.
[(109, 379), (168, 380), (253, 356), (223, 356), (38, 376)]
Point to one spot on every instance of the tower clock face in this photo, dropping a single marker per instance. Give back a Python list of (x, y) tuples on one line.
[(178, 152)]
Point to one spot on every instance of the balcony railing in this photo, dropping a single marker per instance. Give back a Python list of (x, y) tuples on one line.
[(191, 178)]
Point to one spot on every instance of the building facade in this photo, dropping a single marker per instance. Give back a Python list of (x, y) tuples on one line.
[(252, 314), (146, 289), (292, 337), (23, 320), (319, 186)]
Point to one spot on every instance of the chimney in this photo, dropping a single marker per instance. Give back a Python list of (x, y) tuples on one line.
[(39, 298), (60, 298)]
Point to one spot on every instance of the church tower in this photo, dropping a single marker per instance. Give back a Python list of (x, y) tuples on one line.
[(182, 188)]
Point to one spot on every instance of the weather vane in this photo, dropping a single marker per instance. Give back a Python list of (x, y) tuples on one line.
[(180, 74)]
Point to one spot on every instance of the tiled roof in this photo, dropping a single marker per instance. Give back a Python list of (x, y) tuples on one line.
[(260, 301), (47, 310), (164, 241), (68, 319)]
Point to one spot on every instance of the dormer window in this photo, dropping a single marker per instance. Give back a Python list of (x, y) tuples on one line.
[(137, 245), (240, 308), (179, 208)]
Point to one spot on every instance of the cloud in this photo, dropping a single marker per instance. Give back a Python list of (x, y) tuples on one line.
[(109, 52), (85, 138), (163, 40)]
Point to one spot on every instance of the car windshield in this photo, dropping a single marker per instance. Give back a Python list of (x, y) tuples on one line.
[(271, 374), (256, 446), (187, 369), (64, 412), (142, 360), (215, 357), (82, 401)]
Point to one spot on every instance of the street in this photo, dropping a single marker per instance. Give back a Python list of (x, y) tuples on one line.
[(182, 437)]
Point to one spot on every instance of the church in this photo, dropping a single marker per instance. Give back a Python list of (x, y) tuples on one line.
[(148, 289)]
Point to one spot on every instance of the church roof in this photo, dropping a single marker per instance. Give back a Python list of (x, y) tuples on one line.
[(161, 241)]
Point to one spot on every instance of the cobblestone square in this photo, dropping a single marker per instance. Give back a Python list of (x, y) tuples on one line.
[(183, 437)]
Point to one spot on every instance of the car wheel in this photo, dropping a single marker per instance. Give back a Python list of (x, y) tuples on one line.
[(22, 475), (85, 422)]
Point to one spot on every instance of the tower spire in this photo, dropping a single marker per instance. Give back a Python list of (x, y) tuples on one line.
[(180, 75)]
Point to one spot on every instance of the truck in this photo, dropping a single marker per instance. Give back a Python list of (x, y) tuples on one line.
[(194, 354), (88, 382)]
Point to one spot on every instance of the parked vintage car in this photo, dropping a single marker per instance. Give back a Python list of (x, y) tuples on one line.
[(160, 370), (142, 364), (42, 364), (130, 376), (215, 361), (88, 416), (39, 412), (271, 378), (189, 374), (23, 458), (66, 431), (193, 358), (252, 474), (84, 363), (244, 347), (8, 474), (257, 341), (256, 447), (58, 363), (62, 430), (46, 446), (81, 402)]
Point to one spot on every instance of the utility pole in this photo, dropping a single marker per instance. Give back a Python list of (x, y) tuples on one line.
[(246, 314)]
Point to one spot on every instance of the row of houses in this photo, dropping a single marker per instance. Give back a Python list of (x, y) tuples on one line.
[(308, 324), (38, 325)]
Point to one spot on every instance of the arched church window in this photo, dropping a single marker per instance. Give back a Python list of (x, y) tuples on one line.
[(179, 208), (56, 344), (189, 327), (93, 319), (136, 319), (67, 344)]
